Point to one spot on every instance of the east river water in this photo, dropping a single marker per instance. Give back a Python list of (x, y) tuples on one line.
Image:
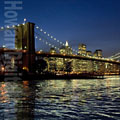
[(81, 99)]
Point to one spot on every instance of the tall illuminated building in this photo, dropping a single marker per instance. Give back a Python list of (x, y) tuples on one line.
[(98, 53), (66, 49), (63, 63), (82, 49)]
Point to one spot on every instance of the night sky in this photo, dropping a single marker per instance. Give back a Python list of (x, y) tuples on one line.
[(95, 23)]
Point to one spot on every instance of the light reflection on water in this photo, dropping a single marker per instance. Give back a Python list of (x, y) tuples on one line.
[(84, 99)]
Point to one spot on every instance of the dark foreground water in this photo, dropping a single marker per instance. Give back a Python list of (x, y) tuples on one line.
[(97, 99)]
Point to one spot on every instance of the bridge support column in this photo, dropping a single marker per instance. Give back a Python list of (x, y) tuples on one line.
[(24, 40)]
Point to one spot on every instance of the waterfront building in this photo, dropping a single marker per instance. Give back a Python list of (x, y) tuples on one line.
[(52, 50), (60, 64), (52, 64)]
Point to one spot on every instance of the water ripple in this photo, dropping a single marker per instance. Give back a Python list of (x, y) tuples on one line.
[(61, 99)]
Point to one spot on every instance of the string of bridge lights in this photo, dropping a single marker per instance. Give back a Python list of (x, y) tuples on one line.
[(7, 27), (12, 26), (46, 42), (51, 37)]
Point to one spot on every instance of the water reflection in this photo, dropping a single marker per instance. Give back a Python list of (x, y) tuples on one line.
[(61, 99), (17, 100)]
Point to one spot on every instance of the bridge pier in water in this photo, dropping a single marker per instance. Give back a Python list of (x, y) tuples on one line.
[(24, 39)]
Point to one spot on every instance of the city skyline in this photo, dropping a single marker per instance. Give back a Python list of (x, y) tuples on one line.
[(95, 24)]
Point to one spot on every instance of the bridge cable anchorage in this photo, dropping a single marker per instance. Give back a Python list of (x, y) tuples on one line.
[(53, 38), (46, 42)]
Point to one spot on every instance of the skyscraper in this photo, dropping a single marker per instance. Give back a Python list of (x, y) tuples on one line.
[(82, 49)]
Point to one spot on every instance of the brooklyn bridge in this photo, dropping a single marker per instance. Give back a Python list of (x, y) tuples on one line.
[(62, 60)]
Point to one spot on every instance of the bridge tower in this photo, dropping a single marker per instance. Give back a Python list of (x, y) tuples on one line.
[(24, 40)]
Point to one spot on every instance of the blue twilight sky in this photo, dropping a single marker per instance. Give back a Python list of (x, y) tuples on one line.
[(93, 22)]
